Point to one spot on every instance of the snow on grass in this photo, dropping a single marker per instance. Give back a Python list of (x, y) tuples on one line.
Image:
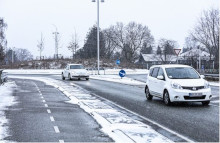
[(6, 100), (59, 71), (118, 79), (119, 126), (212, 83)]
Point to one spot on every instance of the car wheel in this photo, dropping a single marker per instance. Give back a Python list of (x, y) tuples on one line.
[(70, 77), (87, 78), (147, 93), (63, 78), (78, 78), (166, 98), (205, 103)]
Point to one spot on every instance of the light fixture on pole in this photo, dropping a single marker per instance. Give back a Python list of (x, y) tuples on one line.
[(97, 32)]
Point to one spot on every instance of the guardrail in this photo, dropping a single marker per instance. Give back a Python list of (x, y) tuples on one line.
[(214, 77), (3, 77)]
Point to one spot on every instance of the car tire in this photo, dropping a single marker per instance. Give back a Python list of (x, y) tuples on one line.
[(69, 77), (166, 98), (147, 93), (87, 78), (78, 78), (205, 103), (63, 78)]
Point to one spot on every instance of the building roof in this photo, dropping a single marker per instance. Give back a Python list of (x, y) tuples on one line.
[(195, 52), (154, 57)]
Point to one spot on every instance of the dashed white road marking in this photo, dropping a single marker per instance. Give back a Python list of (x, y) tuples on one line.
[(45, 105), (43, 101), (42, 97), (56, 129), (48, 111), (61, 141), (52, 119)]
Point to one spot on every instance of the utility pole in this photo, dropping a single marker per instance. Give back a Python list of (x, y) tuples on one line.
[(56, 43)]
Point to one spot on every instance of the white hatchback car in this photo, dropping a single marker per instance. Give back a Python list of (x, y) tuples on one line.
[(75, 71), (177, 83)]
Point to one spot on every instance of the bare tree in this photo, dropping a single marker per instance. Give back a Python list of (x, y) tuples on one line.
[(206, 32), (74, 45), (23, 55), (3, 41), (166, 47), (130, 39), (40, 45)]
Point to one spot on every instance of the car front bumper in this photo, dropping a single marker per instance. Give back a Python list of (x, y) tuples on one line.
[(183, 95)]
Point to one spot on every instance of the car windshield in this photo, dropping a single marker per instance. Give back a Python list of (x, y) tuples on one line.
[(76, 67), (182, 73)]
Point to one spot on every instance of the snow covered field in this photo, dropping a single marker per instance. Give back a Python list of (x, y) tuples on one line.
[(6, 100)]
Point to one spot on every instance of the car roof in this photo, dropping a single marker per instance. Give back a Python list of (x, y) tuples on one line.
[(170, 66)]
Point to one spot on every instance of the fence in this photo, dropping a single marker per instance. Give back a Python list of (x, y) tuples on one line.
[(3, 77)]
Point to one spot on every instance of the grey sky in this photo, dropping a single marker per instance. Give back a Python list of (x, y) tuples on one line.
[(26, 19)]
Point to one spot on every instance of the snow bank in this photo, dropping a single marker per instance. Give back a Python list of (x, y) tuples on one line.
[(6, 100), (59, 71), (118, 79)]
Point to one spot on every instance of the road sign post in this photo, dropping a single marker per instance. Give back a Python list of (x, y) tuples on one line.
[(177, 52), (122, 73)]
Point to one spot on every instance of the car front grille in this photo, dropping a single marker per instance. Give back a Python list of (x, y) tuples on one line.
[(192, 98), (193, 88)]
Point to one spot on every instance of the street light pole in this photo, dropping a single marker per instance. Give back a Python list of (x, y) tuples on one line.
[(98, 32), (98, 35)]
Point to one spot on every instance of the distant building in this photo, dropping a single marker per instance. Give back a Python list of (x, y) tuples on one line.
[(190, 57)]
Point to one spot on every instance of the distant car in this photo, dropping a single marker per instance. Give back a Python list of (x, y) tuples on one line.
[(177, 83), (75, 71)]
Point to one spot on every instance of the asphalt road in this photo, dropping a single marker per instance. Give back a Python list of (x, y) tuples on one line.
[(41, 114), (192, 120)]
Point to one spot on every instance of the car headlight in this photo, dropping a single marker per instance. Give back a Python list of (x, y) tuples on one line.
[(176, 86), (207, 85)]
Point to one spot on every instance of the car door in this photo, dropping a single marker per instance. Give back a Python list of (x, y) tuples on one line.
[(159, 83), (153, 81)]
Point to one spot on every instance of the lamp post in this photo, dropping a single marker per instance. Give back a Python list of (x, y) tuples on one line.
[(97, 32)]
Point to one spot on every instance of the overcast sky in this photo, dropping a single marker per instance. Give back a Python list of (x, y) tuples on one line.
[(27, 19)]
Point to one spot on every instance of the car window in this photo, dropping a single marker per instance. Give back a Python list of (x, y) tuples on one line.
[(182, 73), (76, 67), (151, 71), (160, 72), (155, 71)]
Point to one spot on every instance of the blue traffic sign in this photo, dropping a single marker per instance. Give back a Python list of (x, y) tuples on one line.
[(122, 73), (117, 62)]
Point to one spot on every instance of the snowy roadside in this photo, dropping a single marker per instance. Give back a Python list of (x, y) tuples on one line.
[(118, 79), (118, 125), (6, 100), (214, 83)]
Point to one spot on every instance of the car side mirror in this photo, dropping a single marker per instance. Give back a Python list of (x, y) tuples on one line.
[(202, 76), (160, 77)]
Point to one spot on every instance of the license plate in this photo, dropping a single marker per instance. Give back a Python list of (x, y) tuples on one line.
[(195, 94)]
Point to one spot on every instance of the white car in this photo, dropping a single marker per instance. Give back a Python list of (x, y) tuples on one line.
[(75, 71), (177, 83)]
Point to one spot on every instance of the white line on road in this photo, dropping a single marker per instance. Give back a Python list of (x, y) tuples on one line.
[(48, 111), (45, 105), (43, 101), (52, 119), (56, 129), (149, 120), (61, 141), (42, 97)]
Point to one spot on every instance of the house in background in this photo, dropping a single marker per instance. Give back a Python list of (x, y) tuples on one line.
[(191, 57)]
